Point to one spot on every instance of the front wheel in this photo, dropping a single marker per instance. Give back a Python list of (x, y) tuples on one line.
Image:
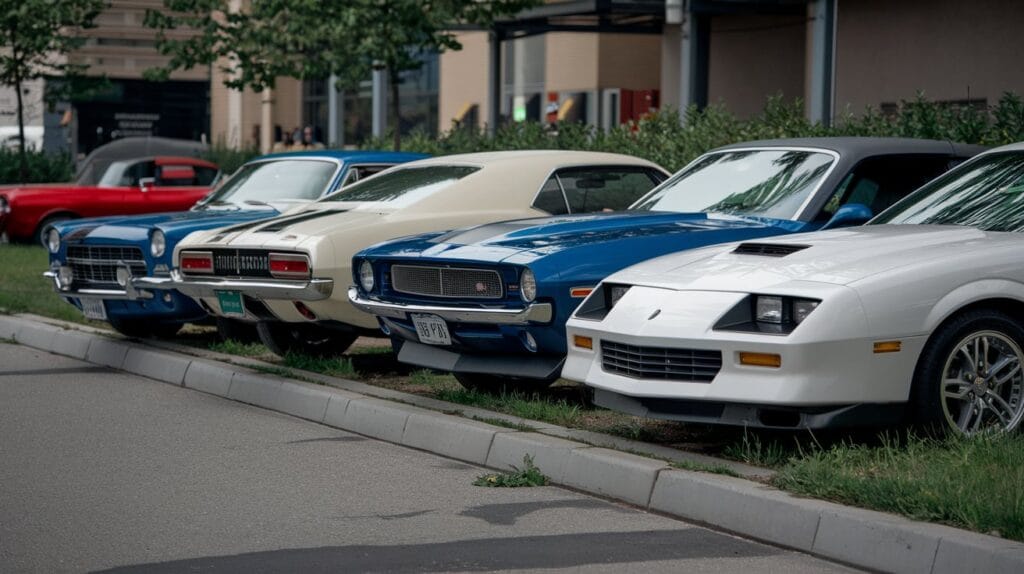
[(143, 329), (282, 338), (969, 379), (499, 385)]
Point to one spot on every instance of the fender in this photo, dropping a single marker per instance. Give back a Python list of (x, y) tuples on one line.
[(969, 293)]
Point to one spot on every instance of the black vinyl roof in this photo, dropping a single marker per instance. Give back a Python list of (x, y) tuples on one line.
[(868, 146)]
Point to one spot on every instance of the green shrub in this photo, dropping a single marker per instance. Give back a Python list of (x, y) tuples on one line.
[(42, 167), (672, 139), (227, 158)]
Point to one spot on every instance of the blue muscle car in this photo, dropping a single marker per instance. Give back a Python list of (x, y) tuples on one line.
[(91, 260), (439, 297)]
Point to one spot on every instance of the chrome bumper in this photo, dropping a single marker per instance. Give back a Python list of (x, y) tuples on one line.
[(268, 289), (533, 313), (93, 293)]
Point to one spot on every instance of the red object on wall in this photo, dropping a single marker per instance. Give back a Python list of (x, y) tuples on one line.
[(635, 104)]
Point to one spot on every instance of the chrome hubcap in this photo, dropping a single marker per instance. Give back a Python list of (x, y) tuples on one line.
[(983, 384)]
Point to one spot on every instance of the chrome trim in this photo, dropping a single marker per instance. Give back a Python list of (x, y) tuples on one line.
[(533, 313), (441, 269), (269, 289), (93, 293)]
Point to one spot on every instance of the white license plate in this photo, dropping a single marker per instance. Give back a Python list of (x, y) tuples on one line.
[(94, 309), (431, 330)]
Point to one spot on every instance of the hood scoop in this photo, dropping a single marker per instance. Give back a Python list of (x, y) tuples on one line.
[(768, 249), (282, 223)]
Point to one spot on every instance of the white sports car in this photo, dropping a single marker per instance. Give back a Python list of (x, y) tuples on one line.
[(917, 316)]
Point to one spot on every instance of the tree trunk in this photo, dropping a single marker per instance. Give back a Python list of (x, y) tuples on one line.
[(395, 107), (21, 133)]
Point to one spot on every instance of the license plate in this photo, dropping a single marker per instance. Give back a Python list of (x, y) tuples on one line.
[(431, 330), (231, 303), (94, 309)]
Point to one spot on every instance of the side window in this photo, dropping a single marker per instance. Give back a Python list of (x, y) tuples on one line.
[(550, 198), (592, 189), (361, 172), (879, 182), (205, 175), (138, 170)]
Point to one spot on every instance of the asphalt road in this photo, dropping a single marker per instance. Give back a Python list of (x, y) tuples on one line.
[(100, 470)]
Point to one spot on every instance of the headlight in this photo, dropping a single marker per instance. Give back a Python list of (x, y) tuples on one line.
[(53, 240), (366, 276), (158, 243), (775, 314), (527, 286), (802, 308), (768, 309), (616, 292)]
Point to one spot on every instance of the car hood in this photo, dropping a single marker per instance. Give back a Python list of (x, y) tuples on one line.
[(526, 240), (838, 257), (175, 225)]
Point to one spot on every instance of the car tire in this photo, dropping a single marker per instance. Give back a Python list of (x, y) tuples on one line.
[(501, 385), (40, 235), (235, 330), (948, 395), (144, 329), (282, 338)]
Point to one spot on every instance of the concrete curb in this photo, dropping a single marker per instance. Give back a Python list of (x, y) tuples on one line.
[(859, 537)]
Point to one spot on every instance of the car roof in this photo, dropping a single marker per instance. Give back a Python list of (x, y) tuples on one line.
[(541, 159), (1018, 146), (348, 155), (867, 146)]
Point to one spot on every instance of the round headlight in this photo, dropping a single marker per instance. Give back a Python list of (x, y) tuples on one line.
[(527, 286), (366, 276), (53, 240), (158, 243)]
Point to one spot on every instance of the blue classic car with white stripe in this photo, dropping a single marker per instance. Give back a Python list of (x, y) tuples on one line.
[(92, 260), (490, 303)]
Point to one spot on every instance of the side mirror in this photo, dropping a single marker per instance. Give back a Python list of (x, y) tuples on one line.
[(849, 215), (148, 183)]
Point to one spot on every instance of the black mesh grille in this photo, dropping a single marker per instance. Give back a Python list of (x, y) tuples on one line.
[(661, 363), (445, 282), (768, 249), (96, 265)]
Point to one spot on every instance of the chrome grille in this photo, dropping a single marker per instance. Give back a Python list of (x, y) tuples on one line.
[(661, 363), (446, 282), (97, 264)]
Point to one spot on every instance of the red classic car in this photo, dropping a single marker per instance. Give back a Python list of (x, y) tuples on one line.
[(129, 187)]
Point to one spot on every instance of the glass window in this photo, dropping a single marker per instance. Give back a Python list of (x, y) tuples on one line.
[(279, 180), (590, 189), (987, 193), (361, 172), (205, 175), (765, 183), (127, 173), (879, 182), (550, 198), (404, 186)]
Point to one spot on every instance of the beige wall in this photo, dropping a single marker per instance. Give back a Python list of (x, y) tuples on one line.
[(463, 79), (752, 57), (571, 62), (121, 47), (287, 110), (629, 61), (887, 51)]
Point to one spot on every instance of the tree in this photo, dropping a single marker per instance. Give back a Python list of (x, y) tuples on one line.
[(37, 37), (315, 39)]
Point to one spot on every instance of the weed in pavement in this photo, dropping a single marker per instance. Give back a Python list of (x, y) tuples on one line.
[(332, 366), (976, 483), (432, 379), (529, 475)]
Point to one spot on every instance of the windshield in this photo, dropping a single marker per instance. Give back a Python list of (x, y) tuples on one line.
[(765, 183), (404, 186), (115, 175), (987, 193), (277, 180)]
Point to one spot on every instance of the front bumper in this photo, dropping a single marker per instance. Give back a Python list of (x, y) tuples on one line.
[(533, 313), (115, 294), (265, 289)]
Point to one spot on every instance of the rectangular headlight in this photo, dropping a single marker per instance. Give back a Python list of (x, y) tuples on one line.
[(768, 309), (802, 308), (616, 292)]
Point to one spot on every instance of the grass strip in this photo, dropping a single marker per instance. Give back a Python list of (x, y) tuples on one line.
[(971, 483), (535, 407), (331, 366), (23, 289)]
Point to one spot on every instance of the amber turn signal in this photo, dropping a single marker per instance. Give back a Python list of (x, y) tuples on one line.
[(888, 346), (580, 292), (583, 342), (761, 359)]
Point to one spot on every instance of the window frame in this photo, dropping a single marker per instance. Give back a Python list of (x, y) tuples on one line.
[(646, 169)]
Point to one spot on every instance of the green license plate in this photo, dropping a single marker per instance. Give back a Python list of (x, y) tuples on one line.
[(231, 303)]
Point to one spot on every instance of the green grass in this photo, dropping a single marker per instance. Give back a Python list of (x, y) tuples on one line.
[(370, 350), (768, 452), (971, 483), (504, 423), (432, 379), (536, 408), (527, 476), (233, 347), (23, 289), (701, 467), (331, 366)]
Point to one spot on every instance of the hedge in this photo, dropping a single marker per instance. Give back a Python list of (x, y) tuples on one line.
[(672, 141), (42, 167)]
